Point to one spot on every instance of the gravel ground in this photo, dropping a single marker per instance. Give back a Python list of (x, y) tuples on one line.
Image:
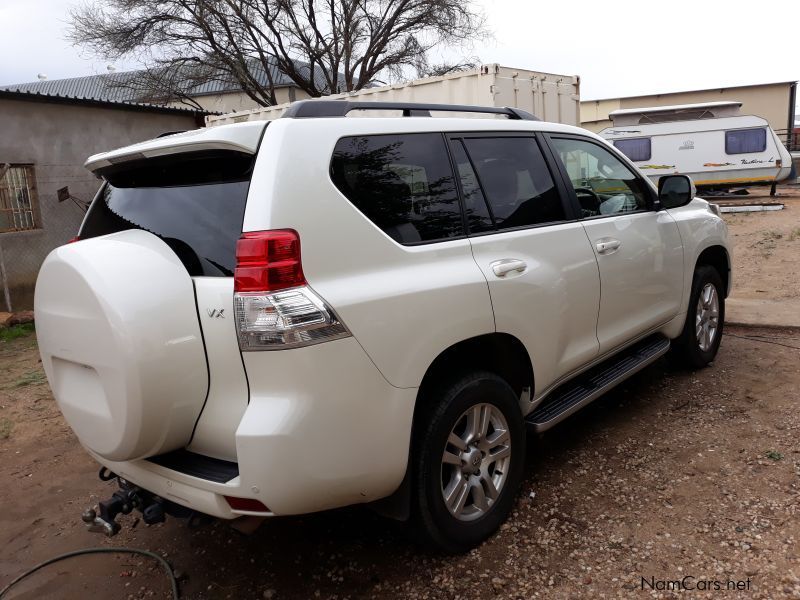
[(674, 479), (765, 248), (674, 475)]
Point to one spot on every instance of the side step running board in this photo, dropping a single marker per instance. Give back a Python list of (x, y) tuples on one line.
[(577, 393)]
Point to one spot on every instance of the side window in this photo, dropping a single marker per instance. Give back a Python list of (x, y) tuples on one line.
[(744, 141), (517, 183), (402, 183), (637, 149), (603, 184), (478, 216)]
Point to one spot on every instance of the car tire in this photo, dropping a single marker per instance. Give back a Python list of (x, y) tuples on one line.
[(699, 342), (468, 461)]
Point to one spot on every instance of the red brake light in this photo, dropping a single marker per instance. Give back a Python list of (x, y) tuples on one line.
[(248, 504), (267, 261), (75, 239)]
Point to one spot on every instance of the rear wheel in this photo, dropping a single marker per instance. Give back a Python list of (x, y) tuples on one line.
[(469, 456), (699, 342)]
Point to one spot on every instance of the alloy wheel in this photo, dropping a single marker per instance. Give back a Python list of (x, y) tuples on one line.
[(707, 317), (475, 462)]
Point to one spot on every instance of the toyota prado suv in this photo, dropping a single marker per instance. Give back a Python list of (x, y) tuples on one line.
[(276, 318)]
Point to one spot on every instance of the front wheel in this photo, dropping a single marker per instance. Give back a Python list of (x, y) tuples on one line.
[(699, 342), (468, 461)]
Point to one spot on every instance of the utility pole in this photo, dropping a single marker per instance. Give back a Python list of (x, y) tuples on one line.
[(3, 278)]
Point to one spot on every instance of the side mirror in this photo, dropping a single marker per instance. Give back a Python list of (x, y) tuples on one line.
[(675, 191)]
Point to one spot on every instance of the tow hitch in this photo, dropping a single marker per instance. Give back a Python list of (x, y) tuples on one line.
[(123, 501)]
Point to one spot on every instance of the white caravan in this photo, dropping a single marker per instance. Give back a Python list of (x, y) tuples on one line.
[(711, 142)]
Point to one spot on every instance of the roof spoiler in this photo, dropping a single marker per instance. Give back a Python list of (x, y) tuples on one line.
[(244, 137)]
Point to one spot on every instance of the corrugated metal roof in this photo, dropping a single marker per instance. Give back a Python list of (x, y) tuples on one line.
[(124, 88), (226, 84), (44, 97), (105, 88)]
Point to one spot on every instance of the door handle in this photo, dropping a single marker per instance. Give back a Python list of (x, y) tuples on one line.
[(505, 266), (607, 246)]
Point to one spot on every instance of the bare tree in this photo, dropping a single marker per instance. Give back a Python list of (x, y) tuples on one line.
[(322, 46)]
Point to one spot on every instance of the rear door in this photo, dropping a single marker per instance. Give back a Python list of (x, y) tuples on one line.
[(405, 282), (194, 202), (541, 270), (639, 250)]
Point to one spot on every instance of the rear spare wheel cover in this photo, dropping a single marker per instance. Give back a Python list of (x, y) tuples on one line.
[(120, 341)]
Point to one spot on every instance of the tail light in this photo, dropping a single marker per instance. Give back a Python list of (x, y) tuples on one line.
[(73, 240), (274, 306), (268, 261)]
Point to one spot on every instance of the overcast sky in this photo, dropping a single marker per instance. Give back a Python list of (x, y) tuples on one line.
[(618, 47)]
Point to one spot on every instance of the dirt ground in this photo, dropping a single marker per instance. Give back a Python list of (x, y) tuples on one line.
[(767, 247), (674, 475)]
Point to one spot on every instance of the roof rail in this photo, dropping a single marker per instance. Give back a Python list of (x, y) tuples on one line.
[(307, 109)]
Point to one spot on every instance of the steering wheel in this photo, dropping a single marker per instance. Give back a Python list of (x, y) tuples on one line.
[(589, 201)]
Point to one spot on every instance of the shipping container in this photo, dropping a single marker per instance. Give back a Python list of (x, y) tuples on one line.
[(550, 97)]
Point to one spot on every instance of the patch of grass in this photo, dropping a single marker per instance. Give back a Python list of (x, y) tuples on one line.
[(773, 455), (6, 426), (16, 331), (795, 234), (32, 378)]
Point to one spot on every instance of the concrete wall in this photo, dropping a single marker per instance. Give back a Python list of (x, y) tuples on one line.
[(594, 113), (56, 139), (239, 101), (770, 101)]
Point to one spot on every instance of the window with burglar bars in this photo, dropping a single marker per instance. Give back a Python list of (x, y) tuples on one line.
[(17, 198)]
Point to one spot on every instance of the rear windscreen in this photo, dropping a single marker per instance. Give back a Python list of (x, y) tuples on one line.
[(194, 202)]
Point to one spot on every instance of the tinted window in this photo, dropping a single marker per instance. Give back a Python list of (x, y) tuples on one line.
[(402, 183), (516, 181), (637, 149), (478, 217), (194, 202), (602, 183), (743, 141)]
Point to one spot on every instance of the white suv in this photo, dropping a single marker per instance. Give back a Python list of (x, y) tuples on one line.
[(287, 317)]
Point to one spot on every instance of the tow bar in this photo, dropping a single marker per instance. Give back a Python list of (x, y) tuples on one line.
[(123, 501)]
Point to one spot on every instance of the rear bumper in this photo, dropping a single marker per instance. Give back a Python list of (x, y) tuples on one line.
[(198, 494), (323, 429)]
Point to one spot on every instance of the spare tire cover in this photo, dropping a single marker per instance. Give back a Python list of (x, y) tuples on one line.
[(118, 332)]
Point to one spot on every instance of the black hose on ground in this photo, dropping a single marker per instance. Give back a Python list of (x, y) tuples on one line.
[(60, 557)]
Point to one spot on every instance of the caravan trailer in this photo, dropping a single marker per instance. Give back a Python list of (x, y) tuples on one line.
[(713, 143)]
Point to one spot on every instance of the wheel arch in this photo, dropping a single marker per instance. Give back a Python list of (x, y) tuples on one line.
[(500, 353), (717, 256)]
